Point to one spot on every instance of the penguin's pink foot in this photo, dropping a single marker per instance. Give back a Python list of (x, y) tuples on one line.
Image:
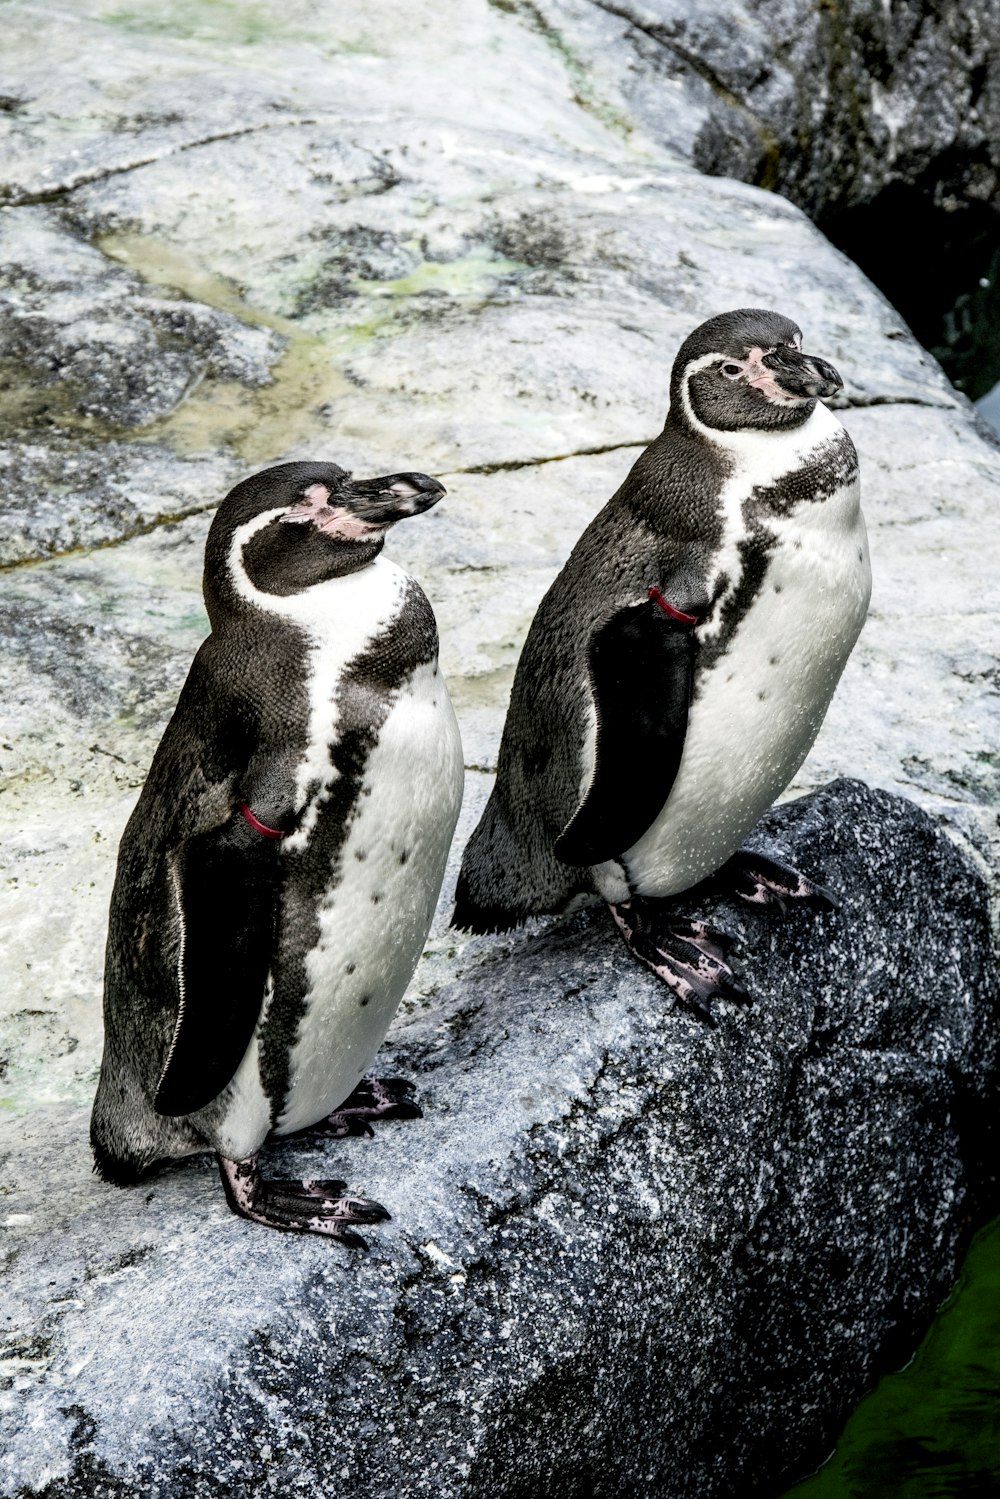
[(301, 1207), (686, 955), (373, 1098), (761, 881)]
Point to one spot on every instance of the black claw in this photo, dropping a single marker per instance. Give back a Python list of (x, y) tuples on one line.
[(368, 1212), (720, 938), (822, 899), (738, 992), (404, 1109), (701, 1011), (400, 1084)]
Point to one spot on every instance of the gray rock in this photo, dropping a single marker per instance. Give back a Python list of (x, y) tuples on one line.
[(607, 1226), (61, 493), (454, 242), (86, 343), (828, 105)]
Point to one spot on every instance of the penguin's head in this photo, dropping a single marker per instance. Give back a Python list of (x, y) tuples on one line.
[(746, 370), (298, 524)]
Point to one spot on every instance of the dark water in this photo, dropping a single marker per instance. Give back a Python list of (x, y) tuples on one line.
[(940, 269), (931, 1431)]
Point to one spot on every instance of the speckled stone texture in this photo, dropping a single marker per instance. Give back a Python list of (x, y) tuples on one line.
[(468, 239), (630, 1254), (828, 104)]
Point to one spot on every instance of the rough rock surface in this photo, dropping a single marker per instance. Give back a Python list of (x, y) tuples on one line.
[(402, 237), (608, 1224), (828, 104)]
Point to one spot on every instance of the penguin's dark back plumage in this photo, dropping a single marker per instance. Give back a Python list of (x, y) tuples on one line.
[(693, 532), (313, 762), (662, 523)]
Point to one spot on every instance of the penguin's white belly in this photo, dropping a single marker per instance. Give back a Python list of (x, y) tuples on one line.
[(375, 918), (756, 712)]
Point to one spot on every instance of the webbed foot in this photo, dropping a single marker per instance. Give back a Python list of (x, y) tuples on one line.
[(761, 881), (302, 1207), (685, 954), (373, 1098)]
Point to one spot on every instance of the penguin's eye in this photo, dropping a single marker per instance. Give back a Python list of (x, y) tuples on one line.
[(732, 370)]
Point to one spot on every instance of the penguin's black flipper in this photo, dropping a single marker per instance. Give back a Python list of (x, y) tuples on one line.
[(228, 886), (641, 670)]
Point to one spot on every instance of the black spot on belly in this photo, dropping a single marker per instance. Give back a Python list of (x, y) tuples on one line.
[(762, 696), (777, 587), (364, 1000), (861, 555), (404, 856), (376, 899), (774, 660), (360, 855), (350, 967)]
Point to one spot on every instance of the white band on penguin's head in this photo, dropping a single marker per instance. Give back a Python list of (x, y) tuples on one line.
[(234, 562), (705, 362)]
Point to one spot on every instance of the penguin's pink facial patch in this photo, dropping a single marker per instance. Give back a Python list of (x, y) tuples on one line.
[(762, 379), (313, 502), (332, 520), (336, 521)]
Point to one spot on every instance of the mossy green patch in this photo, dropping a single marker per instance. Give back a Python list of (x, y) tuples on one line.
[(196, 622), (258, 423), (240, 22), (262, 423), (472, 277), (933, 1429)]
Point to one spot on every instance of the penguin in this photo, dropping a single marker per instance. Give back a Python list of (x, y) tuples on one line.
[(277, 878), (678, 670)]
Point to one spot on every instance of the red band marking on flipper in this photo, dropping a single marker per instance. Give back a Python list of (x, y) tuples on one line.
[(678, 614), (259, 826)]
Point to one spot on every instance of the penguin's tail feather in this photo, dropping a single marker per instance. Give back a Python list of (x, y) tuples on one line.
[(123, 1156), (120, 1171), (470, 915), (123, 1137), (509, 873), (127, 1136), (486, 897)]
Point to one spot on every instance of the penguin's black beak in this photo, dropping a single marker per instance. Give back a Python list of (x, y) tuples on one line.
[(391, 498), (802, 375)]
